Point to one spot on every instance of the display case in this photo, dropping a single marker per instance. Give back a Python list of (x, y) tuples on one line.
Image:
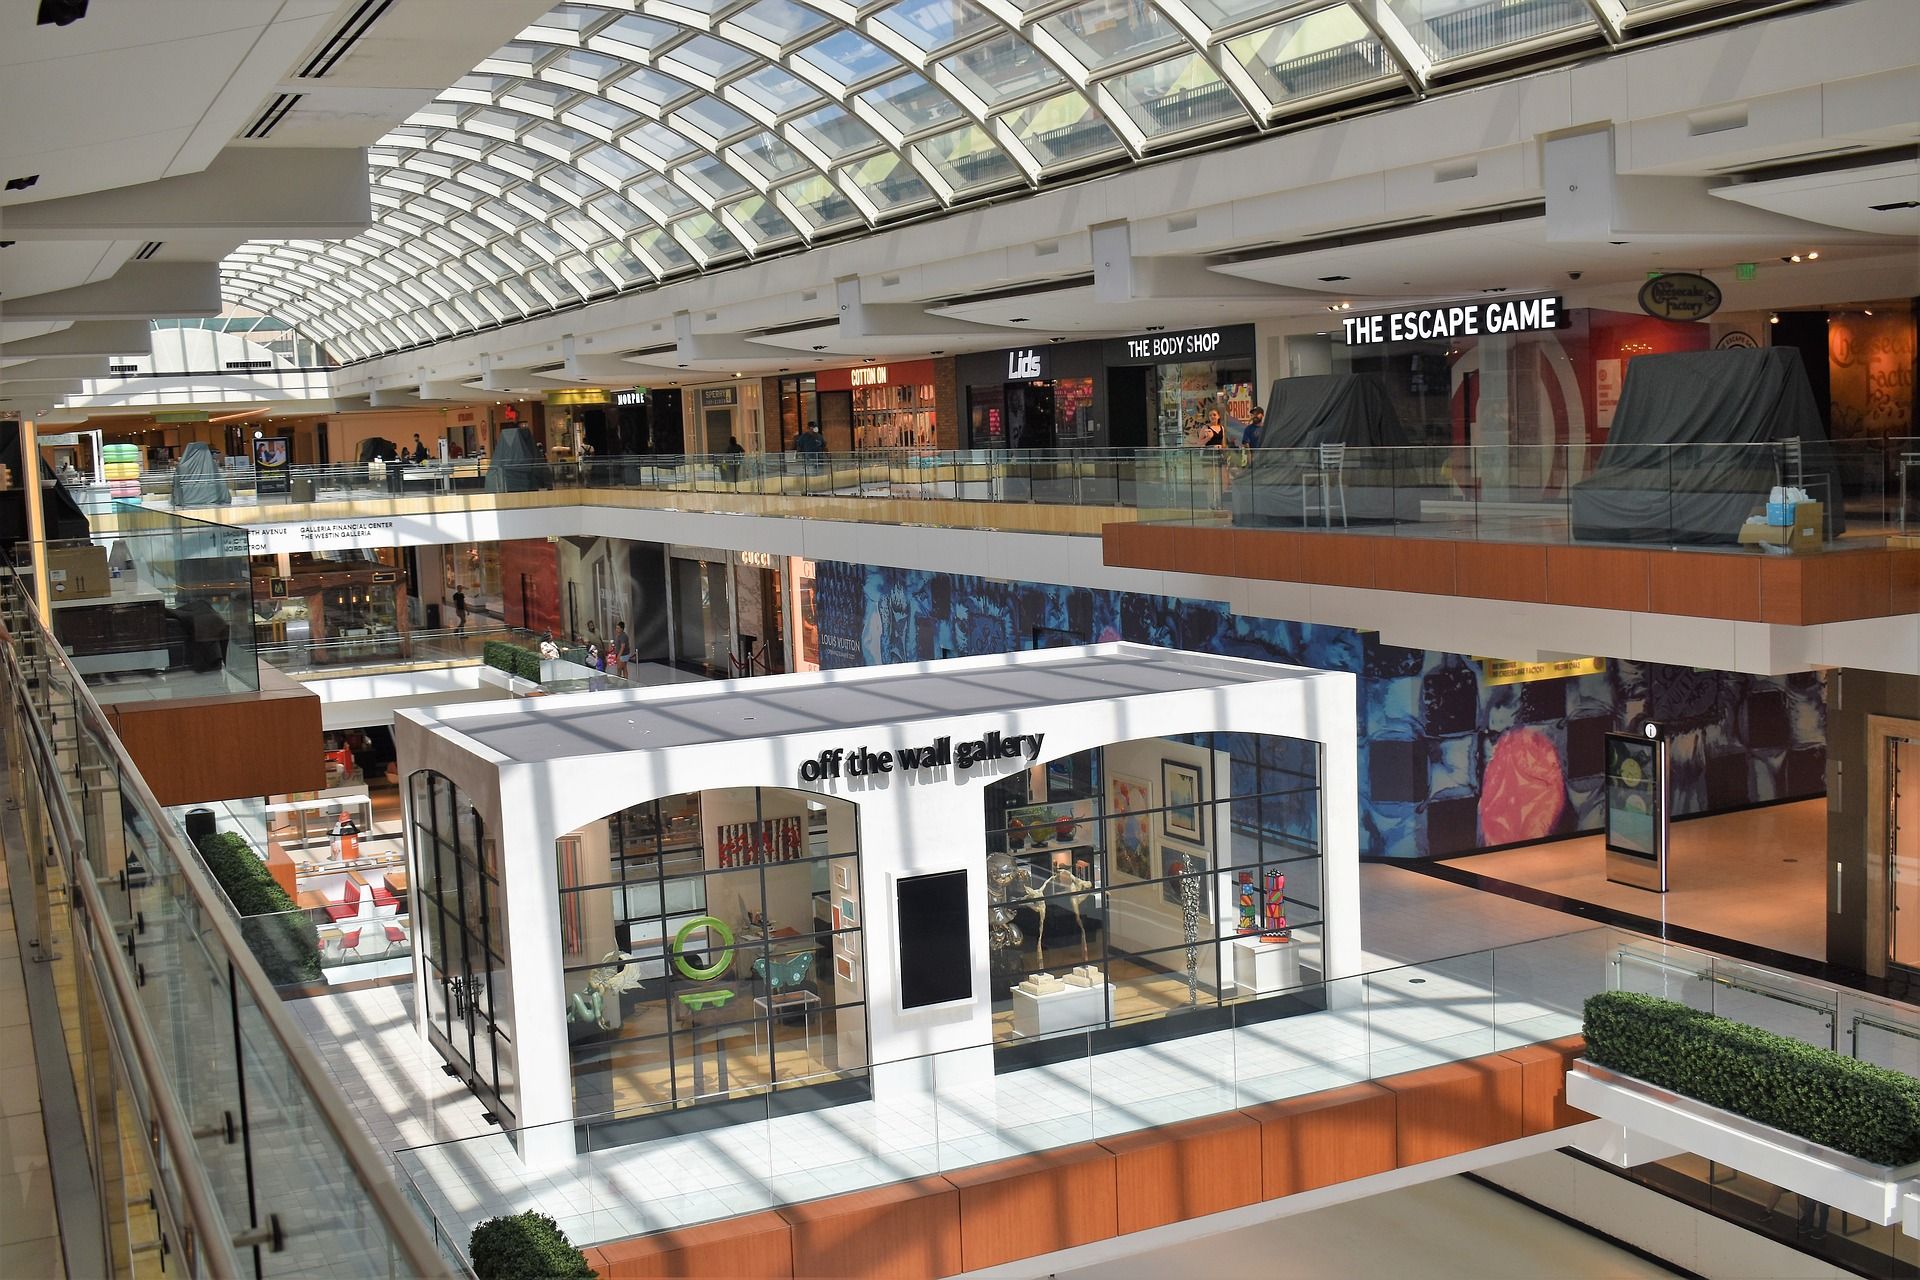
[(893, 416)]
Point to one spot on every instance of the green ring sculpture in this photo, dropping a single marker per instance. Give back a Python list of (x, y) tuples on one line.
[(719, 966)]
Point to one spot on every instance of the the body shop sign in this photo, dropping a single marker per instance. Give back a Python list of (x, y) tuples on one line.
[(1459, 320)]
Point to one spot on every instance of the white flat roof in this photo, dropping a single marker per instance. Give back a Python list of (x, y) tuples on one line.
[(557, 728)]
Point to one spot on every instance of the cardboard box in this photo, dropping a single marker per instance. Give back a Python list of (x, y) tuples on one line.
[(78, 573), (1807, 533)]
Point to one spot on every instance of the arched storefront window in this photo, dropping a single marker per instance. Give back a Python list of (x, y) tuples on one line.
[(460, 923), (1146, 878), (711, 945)]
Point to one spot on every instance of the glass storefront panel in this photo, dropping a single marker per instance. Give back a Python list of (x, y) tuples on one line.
[(712, 947), (1123, 882)]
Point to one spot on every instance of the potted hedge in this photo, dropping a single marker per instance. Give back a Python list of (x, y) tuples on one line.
[(1827, 1098), (281, 936), (525, 1246), (512, 659)]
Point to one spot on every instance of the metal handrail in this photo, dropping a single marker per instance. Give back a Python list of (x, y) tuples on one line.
[(405, 1231), (202, 1206)]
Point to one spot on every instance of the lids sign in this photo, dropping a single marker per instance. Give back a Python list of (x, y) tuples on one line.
[(1680, 296)]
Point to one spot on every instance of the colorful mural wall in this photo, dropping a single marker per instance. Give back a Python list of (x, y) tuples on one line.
[(1450, 761)]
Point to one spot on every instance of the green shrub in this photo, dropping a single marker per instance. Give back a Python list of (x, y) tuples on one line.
[(512, 659), (1819, 1095), (280, 935), (525, 1246)]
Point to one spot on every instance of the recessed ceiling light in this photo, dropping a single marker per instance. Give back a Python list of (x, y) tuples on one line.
[(1019, 320), (1333, 279), (21, 184)]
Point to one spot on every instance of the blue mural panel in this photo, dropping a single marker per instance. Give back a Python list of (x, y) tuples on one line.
[(1449, 763)]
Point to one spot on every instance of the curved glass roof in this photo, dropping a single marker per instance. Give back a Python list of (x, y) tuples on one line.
[(614, 144)]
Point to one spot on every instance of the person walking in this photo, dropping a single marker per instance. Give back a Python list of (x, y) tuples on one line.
[(622, 647), (459, 609), (419, 448), (730, 467), (1256, 427)]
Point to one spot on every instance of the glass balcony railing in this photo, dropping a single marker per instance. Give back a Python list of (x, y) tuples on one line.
[(952, 1110), (255, 1162), (1694, 496)]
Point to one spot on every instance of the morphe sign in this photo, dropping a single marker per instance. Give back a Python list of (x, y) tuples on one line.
[(1460, 320)]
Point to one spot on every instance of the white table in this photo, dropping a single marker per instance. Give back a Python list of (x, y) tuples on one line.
[(1265, 967), (780, 1005), (1068, 1009)]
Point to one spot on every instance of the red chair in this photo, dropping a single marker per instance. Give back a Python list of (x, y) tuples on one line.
[(382, 896), (349, 905), (350, 941), (395, 934)]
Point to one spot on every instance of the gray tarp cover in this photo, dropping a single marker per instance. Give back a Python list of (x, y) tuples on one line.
[(1645, 490), (1304, 413), (197, 481), (516, 465)]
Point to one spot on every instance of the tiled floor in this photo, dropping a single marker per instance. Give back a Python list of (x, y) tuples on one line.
[(1754, 876), (1394, 1020), (29, 1231)]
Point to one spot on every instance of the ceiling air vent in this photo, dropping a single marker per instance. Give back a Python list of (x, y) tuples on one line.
[(147, 250), (269, 119), (249, 364), (344, 38), (123, 368)]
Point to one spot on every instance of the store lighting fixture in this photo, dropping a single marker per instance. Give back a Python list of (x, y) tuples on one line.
[(1774, 318), (1340, 306)]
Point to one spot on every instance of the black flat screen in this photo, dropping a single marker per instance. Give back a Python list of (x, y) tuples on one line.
[(936, 962)]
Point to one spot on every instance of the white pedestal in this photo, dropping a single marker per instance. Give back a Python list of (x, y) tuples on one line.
[(1264, 967), (1068, 1009)]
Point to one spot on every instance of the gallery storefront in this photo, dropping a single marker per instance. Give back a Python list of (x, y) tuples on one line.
[(809, 883)]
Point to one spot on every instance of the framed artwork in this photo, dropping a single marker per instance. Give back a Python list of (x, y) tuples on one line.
[(842, 877), (849, 917), (1175, 861), (1182, 819), (847, 945), (838, 924), (843, 968), (1128, 803)]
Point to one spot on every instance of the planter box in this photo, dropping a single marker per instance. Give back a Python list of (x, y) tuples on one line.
[(1652, 1118)]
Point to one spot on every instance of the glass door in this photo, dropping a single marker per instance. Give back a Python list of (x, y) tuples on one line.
[(1903, 851)]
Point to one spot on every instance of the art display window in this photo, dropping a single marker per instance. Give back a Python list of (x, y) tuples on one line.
[(1151, 877), (459, 918), (711, 944)]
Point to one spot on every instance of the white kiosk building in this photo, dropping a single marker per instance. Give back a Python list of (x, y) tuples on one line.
[(793, 888)]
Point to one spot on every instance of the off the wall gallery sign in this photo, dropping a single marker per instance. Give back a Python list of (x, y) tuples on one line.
[(1460, 320), (942, 752)]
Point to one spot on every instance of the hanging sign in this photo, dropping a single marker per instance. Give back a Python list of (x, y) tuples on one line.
[(1460, 320), (1637, 791), (1680, 296), (271, 454), (1510, 671)]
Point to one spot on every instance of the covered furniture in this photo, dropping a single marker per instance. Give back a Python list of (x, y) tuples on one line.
[(1330, 453), (516, 465), (197, 481), (1699, 440)]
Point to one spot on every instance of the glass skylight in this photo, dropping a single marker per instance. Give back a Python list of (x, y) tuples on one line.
[(615, 143)]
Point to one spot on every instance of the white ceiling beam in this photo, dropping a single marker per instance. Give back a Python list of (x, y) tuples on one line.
[(862, 319), (246, 193), (1119, 276), (140, 291), (93, 338), (54, 368)]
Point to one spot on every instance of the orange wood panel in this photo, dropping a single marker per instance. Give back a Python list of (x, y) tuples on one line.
[(1543, 1084), (756, 1245), (1704, 584), (1143, 546), (1036, 1204), (1332, 559), (243, 744), (1801, 590), (908, 1230), (1457, 1107), (1597, 578), (1414, 564), (1500, 571), (1185, 1170), (1324, 1138), (1207, 550), (281, 867), (1903, 581)]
